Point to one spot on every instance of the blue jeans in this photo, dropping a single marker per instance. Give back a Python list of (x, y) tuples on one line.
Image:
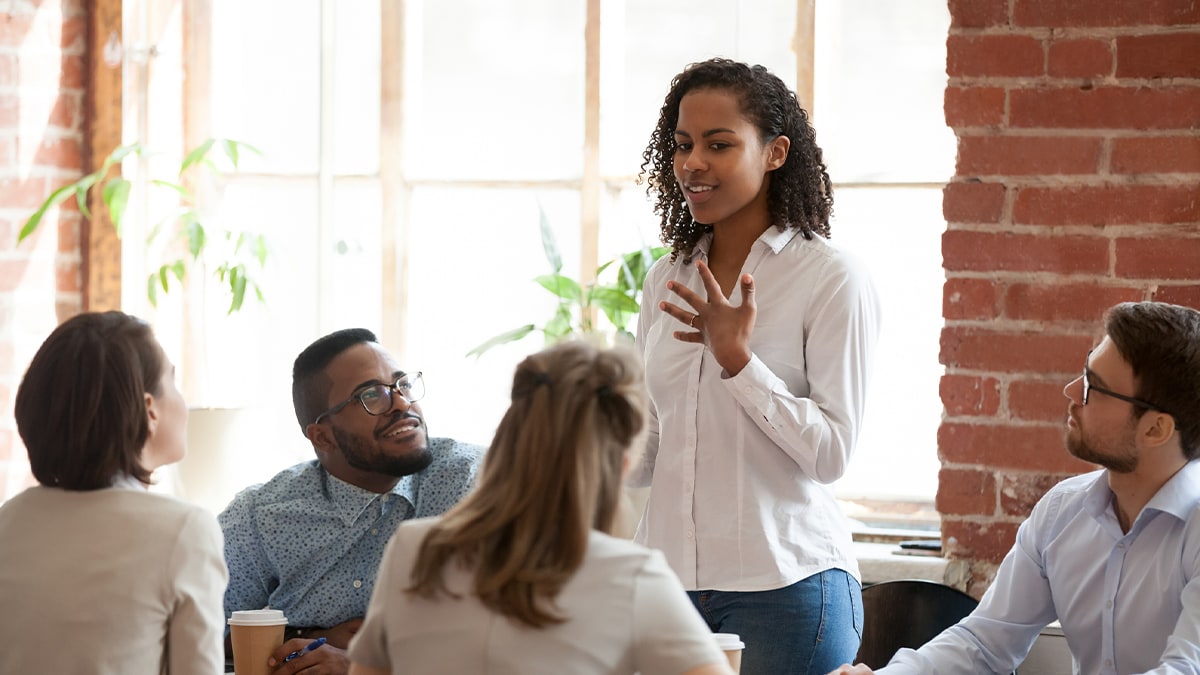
[(808, 628)]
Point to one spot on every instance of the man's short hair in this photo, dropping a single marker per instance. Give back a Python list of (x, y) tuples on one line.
[(310, 385), (81, 407), (1161, 342)]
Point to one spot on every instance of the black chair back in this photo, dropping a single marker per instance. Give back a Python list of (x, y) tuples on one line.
[(907, 613)]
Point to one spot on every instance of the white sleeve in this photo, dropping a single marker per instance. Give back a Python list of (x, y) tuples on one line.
[(642, 471), (819, 431), (196, 627), (669, 635)]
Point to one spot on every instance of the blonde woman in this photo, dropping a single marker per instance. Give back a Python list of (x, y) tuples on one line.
[(523, 575)]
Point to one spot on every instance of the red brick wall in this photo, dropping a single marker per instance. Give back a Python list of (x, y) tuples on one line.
[(1077, 187), (42, 55)]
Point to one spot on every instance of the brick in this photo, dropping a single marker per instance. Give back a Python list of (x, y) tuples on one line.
[(25, 275), (1004, 155), (74, 34), (1158, 258), (73, 73), (994, 56), (67, 112), (988, 541), (1065, 301), (1026, 448), (1096, 13), (1107, 205), (8, 71), (970, 299), (1158, 154), (978, 13), (1001, 251), (65, 153), (969, 395), (1159, 55), (24, 194), (68, 277), (1011, 352), (1079, 58), (1020, 492), (973, 202), (974, 106), (966, 492), (1039, 400), (1104, 107), (1188, 296)]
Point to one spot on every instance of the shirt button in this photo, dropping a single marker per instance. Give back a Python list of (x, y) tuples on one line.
[(689, 534), (1108, 662), (374, 530), (1121, 545), (747, 390), (1108, 605), (385, 497), (358, 583)]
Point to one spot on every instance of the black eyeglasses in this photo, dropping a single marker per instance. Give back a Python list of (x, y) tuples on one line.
[(378, 399), (1088, 388)]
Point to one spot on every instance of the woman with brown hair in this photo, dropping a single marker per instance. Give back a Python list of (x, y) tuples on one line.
[(97, 574), (523, 576)]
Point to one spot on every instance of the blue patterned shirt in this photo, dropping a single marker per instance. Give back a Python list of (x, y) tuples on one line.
[(310, 544)]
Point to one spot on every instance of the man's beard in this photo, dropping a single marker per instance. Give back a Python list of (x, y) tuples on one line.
[(1116, 461), (365, 454)]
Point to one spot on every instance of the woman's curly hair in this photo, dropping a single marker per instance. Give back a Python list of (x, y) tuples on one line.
[(800, 193)]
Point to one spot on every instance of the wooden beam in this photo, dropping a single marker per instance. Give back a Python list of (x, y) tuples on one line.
[(394, 188), (806, 19), (102, 135), (589, 236)]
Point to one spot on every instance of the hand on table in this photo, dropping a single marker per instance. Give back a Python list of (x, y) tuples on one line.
[(714, 321), (324, 660)]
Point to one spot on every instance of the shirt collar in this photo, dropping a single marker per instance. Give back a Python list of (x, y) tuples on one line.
[(349, 501), (1179, 495), (774, 238)]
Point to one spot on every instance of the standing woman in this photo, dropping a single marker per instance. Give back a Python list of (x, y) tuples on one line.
[(756, 397), (97, 575)]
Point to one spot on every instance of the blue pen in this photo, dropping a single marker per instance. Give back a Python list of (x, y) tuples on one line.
[(307, 648)]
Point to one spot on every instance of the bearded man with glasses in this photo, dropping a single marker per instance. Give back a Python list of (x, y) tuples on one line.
[(1112, 555), (309, 541)]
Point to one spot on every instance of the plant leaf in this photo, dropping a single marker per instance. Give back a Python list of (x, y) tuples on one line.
[(152, 289), (196, 155), (57, 197), (196, 237), (231, 151), (549, 245), (179, 268), (558, 327), (503, 338), (237, 284), (564, 287), (183, 192), (116, 197)]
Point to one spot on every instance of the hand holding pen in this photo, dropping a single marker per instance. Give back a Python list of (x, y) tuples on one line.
[(307, 648)]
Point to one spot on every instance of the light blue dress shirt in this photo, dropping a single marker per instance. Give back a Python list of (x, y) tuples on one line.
[(1128, 603), (310, 544)]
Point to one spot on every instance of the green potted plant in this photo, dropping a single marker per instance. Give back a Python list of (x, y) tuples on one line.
[(615, 292), (181, 239)]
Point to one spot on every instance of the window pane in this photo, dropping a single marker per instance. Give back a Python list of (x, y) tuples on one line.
[(880, 76), (266, 82), (495, 89), (356, 87), (647, 43), (898, 233), (357, 265), (471, 278)]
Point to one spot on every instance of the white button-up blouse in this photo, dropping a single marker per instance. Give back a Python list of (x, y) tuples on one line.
[(739, 467)]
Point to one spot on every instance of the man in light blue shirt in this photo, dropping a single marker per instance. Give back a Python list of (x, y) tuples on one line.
[(1113, 555), (309, 541)]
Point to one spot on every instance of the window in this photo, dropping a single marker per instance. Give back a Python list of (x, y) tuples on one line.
[(491, 122)]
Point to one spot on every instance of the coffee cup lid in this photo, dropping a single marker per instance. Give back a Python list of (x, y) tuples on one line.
[(257, 617), (727, 641)]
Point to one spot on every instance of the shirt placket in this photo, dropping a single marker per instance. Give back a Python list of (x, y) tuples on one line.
[(688, 494)]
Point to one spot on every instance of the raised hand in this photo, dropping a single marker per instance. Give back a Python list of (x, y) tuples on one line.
[(713, 321)]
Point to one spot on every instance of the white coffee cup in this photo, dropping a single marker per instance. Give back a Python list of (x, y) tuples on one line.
[(255, 633), (732, 645)]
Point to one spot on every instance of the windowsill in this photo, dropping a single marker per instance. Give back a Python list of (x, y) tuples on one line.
[(882, 562)]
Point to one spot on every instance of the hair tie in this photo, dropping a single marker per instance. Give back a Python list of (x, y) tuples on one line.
[(604, 391), (540, 379)]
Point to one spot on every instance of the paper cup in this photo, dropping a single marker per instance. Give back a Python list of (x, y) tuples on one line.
[(255, 634), (732, 645)]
